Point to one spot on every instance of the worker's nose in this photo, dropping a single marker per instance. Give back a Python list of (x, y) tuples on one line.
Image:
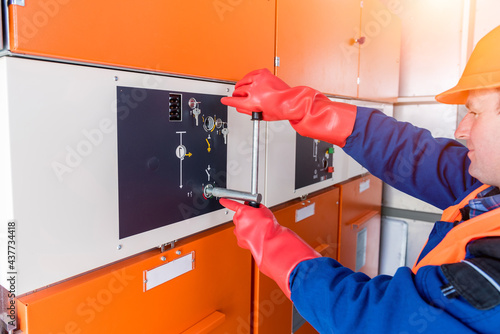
[(463, 129)]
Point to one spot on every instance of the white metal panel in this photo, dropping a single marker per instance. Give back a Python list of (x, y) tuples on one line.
[(418, 234), (430, 46), (394, 198), (68, 223), (399, 233), (393, 244), (354, 168), (6, 203), (280, 166), (1, 26), (343, 164), (439, 119)]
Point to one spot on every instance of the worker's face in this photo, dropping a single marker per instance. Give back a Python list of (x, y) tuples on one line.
[(481, 129)]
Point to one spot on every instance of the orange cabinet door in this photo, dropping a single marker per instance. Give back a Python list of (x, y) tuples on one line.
[(316, 221), (218, 39), (315, 44), (380, 52), (213, 297), (360, 244), (359, 228)]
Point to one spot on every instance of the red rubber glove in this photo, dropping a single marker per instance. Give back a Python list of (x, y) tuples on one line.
[(275, 249), (310, 113)]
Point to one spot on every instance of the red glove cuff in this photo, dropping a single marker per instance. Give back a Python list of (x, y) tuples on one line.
[(275, 249), (328, 121)]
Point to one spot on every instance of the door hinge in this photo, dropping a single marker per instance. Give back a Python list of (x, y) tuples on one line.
[(16, 2), (276, 61)]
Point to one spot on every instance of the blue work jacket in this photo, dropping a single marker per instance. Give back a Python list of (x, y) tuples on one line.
[(334, 299)]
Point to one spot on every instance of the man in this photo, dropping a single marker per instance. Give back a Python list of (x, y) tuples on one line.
[(455, 285)]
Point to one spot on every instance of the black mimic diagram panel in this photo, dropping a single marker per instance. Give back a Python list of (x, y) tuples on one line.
[(170, 145), (313, 161)]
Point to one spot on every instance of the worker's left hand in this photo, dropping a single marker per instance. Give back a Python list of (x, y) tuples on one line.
[(310, 113), (261, 91), (276, 249)]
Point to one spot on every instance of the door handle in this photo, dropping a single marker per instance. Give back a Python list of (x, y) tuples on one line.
[(206, 325), (363, 219)]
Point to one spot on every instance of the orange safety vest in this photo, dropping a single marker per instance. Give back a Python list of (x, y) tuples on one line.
[(453, 247)]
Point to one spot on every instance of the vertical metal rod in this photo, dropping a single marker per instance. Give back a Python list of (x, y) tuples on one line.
[(255, 156), (256, 117)]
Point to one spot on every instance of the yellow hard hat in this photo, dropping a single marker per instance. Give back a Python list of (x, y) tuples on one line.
[(482, 70)]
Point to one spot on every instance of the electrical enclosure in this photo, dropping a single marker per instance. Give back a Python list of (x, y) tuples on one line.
[(92, 163)]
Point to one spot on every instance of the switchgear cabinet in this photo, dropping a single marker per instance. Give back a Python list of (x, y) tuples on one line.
[(102, 164)]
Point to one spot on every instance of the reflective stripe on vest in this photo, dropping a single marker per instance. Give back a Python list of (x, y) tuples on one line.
[(453, 247)]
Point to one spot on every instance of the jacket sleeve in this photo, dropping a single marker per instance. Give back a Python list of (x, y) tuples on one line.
[(334, 299), (408, 158)]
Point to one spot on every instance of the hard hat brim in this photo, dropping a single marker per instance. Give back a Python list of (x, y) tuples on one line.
[(460, 93), (481, 72), (454, 95)]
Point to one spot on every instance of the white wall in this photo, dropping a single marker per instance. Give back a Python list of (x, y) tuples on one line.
[(485, 16), (430, 46)]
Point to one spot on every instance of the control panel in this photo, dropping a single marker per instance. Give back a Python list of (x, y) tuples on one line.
[(171, 145), (296, 166), (313, 162), (118, 165)]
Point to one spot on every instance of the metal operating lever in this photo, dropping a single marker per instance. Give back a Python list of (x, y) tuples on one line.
[(211, 191), (253, 198)]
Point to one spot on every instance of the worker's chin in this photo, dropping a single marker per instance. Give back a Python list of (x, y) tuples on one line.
[(482, 177), (473, 172)]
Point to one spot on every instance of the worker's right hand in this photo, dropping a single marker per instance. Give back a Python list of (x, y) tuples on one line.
[(310, 113), (275, 249), (258, 91)]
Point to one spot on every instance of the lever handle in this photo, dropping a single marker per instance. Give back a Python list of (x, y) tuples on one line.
[(253, 204), (256, 118), (253, 198)]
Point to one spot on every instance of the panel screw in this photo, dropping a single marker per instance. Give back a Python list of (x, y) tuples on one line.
[(163, 258), (145, 281), (116, 78), (227, 90), (178, 252), (119, 247), (226, 212)]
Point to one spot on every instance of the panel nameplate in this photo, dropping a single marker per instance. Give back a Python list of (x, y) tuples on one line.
[(365, 185), (168, 271), (304, 213)]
